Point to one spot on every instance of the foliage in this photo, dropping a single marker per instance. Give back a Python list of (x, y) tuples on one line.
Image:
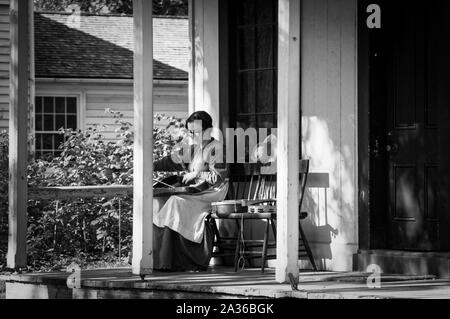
[(160, 7), (87, 228)]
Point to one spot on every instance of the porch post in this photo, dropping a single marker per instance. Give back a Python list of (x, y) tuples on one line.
[(205, 57), (143, 139), (288, 139), (191, 81), (18, 131)]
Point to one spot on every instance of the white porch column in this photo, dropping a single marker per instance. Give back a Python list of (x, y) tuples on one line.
[(288, 139), (204, 78), (191, 85), (143, 139), (18, 130)]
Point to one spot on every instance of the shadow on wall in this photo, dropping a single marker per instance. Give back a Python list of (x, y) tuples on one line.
[(320, 235), (331, 226)]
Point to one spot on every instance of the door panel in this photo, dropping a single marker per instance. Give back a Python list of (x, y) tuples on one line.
[(412, 133)]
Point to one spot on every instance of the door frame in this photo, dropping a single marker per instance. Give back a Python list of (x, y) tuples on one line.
[(372, 199), (369, 196)]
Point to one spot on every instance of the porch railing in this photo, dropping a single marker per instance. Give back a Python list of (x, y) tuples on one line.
[(62, 193)]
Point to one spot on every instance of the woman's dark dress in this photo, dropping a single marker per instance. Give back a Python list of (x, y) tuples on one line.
[(173, 252)]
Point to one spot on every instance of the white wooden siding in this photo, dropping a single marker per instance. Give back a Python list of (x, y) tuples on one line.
[(4, 64), (329, 109), (169, 99)]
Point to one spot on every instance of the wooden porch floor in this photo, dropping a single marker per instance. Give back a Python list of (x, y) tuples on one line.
[(220, 283)]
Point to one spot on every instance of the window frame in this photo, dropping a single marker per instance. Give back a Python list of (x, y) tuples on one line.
[(55, 94), (235, 27)]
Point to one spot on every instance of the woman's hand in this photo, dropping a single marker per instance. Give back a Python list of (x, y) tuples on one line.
[(188, 177)]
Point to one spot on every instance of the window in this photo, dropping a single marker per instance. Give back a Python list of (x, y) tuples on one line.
[(52, 114), (254, 54)]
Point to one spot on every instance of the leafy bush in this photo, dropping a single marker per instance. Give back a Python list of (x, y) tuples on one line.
[(87, 228)]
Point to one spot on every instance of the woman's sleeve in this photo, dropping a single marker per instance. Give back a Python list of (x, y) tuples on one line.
[(167, 164), (175, 162), (218, 170)]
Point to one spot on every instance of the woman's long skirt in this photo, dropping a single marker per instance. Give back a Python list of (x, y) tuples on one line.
[(172, 252)]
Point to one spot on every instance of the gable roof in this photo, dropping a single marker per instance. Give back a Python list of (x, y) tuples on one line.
[(101, 46)]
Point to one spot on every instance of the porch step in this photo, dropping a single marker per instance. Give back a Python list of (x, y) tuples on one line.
[(358, 277), (406, 263)]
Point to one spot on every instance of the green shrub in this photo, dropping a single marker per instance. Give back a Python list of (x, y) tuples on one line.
[(86, 228)]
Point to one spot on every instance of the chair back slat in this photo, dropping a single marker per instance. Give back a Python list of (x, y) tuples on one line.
[(235, 188), (239, 188), (247, 181), (273, 188), (304, 171), (250, 187), (257, 188), (268, 186), (263, 188)]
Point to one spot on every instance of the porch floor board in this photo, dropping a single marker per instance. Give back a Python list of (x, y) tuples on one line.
[(250, 283)]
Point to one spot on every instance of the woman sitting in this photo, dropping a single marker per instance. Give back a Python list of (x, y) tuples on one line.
[(182, 238)]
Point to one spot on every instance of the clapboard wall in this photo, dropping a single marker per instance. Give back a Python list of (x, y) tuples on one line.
[(170, 98), (4, 64), (329, 128)]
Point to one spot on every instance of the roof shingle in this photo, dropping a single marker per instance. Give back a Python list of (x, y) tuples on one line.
[(101, 46)]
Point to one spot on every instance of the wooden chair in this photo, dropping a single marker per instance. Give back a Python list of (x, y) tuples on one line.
[(252, 196)]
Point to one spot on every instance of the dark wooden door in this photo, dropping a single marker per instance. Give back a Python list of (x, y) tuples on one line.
[(412, 69)]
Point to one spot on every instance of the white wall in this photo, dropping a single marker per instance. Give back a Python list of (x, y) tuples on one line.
[(170, 99), (329, 127)]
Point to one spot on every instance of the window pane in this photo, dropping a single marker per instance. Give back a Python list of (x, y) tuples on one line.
[(47, 155), (57, 153), (265, 88), (49, 124), (60, 122), (72, 122), (38, 141), (48, 141), (72, 105), (38, 122), (246, 93), (246, 12), (242, 122), (38, 102), (266, 121), (59, 139), (255, 51), (49, 106), (266, 11), (265, 46), (246, 122), (60, 105), (247, 48)]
